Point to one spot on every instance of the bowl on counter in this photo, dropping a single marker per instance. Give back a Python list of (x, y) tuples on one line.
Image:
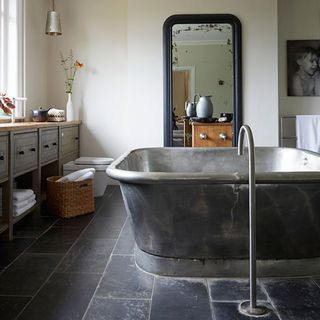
[(40, 115)]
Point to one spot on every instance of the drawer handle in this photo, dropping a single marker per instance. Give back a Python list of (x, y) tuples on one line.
[(46, 146), (54, 143), (1, 157), (203, 136), (33, 149), (76, 138), (21, 152), (223, 136)]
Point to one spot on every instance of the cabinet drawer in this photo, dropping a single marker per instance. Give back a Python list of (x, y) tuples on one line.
[(212, 135), (69, 141), (4, 156), (49, 145), (25, 150)]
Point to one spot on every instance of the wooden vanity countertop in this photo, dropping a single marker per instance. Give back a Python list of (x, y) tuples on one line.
[(35, 125)]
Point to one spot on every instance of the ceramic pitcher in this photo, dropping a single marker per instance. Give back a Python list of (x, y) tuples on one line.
[(190, 108), (204, 107)]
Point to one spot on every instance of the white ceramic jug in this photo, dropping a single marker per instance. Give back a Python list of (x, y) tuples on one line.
[(204, 107), (190, 108)]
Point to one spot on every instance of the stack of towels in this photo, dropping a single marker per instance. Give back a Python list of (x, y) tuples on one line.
[(23, 199), (79, 175)]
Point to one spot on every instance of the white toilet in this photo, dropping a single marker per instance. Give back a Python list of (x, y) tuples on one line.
[(100, 177)]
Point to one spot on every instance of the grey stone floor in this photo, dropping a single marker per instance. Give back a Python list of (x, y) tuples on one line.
[(83, 268)]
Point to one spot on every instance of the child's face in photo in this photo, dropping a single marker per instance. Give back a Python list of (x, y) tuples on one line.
[(309, 63)]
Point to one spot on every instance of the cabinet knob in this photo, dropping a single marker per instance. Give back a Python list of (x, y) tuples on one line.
[(1, 157), (76, 138), (54, 143), (46, 146), (223, 136), (203, 136), (21, 152), (33, 149)]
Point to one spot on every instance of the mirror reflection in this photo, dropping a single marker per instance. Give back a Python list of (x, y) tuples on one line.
[(202, 77), (202, 63)]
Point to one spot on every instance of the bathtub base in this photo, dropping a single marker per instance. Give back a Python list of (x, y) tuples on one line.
[(225, 268)]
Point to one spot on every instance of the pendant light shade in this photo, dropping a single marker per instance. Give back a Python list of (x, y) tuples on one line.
[(53, 25)]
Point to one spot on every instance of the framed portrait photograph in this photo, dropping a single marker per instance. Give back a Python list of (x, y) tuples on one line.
[(303, 71)]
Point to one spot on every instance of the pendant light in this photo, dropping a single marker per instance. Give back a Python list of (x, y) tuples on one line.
[(53, 25)]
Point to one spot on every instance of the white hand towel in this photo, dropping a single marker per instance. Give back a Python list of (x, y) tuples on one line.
[(308, 132), (73, 176), (88, 175), (17, 212), (21, 204), (22, 194)]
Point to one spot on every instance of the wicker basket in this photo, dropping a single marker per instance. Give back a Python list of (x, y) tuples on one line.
[(69, 199)]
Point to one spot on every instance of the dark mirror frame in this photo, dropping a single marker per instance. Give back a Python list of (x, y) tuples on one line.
[(237, 67)]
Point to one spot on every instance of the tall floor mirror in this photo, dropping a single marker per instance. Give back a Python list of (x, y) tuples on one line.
[(202, 60)]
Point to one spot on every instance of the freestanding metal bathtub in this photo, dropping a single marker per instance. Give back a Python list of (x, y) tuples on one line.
[(189, 210)]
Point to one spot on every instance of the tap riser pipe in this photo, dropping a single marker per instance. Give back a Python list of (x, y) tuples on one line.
[(250, 308)]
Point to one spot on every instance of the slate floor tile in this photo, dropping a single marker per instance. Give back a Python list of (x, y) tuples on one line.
[(10, 307), (122, 279), (114, 309), (32, 227), (114, 205), (293, 293), (64, 296), (80, 221), (88, 255), (300, 314), (126, 242), (229, 311), (56, 240), (26, 275), (180, 300), (104, 228), (10, 250), (232, 290)]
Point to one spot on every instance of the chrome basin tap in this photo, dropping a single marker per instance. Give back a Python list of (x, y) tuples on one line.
[(250, 307)]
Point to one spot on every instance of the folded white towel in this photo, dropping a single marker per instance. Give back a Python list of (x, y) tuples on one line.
[(73, 176), (307, 131), (20, 204), (88, 175), (22, 194), (17, 212)]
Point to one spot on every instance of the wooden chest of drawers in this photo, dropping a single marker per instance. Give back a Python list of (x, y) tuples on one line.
[(211, 134)]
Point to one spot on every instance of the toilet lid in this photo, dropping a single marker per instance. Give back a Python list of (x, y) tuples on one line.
[(93, 160)]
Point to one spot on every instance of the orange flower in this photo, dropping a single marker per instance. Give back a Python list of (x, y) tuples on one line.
[(78, 65)]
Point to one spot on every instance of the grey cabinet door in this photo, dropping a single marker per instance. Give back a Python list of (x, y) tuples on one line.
[(4, 156), (69, 141), (49, 145), (25, 152)]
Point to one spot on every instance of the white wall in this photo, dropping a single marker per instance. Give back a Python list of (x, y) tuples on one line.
[(145, 68), (96, 30), (120, 90), (298, 20), (36, 55)]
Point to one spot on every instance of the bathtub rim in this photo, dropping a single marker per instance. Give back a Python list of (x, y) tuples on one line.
[(203, 177)]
